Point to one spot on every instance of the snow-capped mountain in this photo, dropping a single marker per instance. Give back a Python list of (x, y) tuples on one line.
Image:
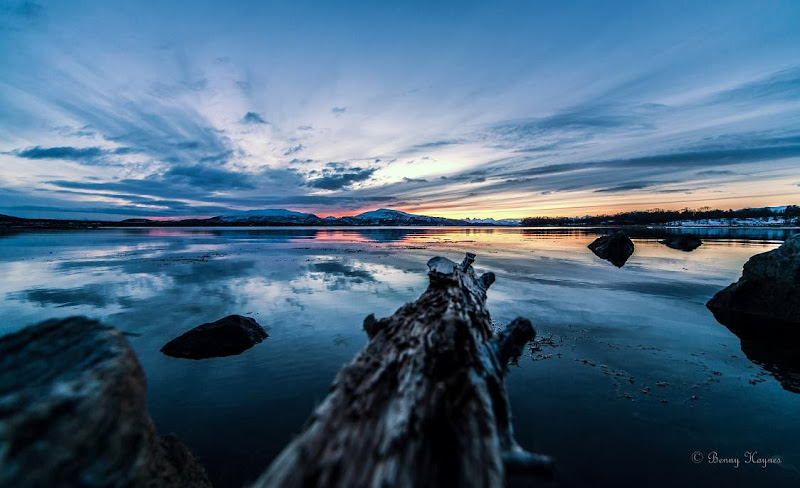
[(386, 216), (270, 215), (381, 216), (385, 213)]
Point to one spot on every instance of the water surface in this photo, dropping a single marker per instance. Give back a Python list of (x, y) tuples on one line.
[(636, 376)]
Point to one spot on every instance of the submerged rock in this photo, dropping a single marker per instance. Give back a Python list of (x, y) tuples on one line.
[(228, 336), (683, 242), (766, 299), (72, 413), (615, 248)]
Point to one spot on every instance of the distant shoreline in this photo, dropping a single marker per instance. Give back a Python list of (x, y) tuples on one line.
[(787, 217), (103, 225), (767, 217)]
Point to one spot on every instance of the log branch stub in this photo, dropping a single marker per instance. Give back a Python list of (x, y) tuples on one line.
[(467, 262), (371, 325), (486, 280), (509, 342)]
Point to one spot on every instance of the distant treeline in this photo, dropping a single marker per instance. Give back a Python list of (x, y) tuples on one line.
[(658, 216)]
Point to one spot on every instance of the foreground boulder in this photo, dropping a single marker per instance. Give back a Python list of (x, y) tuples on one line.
[(763, 310), (615, 248), (228, 336), (72, 413), (766, 299), (423, 404), (683, 242)]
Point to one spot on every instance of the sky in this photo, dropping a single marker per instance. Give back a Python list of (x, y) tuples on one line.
[(120, 109)]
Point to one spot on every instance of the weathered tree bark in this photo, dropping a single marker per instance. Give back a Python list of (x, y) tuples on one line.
[(73, 413), (423, 404)]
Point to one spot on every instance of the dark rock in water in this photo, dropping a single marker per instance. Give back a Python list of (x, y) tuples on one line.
[(228, 336), (73, 413), (766, 299), (683, 242), (763, 310), (616, 248)]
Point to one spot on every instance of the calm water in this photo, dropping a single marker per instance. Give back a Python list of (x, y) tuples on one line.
[(641, 375)]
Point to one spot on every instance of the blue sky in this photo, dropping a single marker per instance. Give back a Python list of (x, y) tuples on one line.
[(465, 109)]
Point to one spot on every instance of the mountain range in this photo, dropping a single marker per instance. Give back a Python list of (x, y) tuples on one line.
[(381, 216), (269, 217), (786, 215)]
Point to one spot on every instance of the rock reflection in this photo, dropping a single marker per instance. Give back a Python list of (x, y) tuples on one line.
[(781, 359), (772, 347)]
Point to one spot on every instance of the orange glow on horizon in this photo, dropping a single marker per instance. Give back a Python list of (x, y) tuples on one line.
[(564, 210)]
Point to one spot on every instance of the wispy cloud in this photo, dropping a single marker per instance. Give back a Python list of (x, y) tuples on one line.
[(253, 118), (336, 176), (294, 150), (780, 86), (208, 178), (71, 153), (82, 155)]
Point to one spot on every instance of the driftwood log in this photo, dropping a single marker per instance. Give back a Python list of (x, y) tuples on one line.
[(73, 413), (423, 404)]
